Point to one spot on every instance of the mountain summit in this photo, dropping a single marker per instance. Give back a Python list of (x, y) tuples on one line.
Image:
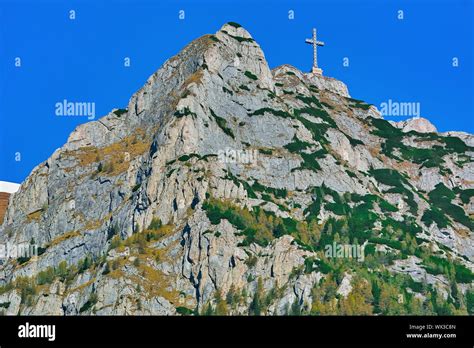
[(228, 188)]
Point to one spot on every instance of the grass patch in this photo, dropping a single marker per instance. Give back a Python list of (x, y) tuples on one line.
[(233, 24), (310, 160), (297, 146), (120, 112), (464, 195), (251, 76), (279, 113), (213, 38), (391, 177), (226, 90), (258, 226), (278, 193), (359, 104), (425, 157), (309, 100), (184, 112), (434, 215), (441, 197), (222, 123)]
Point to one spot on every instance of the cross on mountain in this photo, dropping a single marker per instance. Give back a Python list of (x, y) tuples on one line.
[(315, 43)]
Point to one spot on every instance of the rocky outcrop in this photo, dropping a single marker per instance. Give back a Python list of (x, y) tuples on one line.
[(224, 179), (417, 124), (466, 137)]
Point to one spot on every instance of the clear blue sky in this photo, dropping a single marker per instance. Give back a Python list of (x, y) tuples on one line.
[(82, 59)]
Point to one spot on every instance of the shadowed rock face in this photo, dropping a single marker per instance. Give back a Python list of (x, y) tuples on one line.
[(225, 177)]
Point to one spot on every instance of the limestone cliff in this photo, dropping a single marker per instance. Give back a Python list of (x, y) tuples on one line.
[(219, 188)]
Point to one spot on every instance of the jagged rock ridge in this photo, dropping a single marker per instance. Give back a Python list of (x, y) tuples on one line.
[(141, 212)]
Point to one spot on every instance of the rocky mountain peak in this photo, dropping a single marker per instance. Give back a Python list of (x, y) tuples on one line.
[(223, 179), (236, 30)]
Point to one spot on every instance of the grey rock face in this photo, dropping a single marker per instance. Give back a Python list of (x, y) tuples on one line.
[(213, 121)]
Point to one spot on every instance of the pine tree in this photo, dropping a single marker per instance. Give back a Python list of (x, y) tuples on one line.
[(62, 270), (415, 306), (359, 300), (456, 295), (256, 304), (295, 308), (389, 300), (221, 305), (470, 302), (315, 232), (207, 310), (231, 296)]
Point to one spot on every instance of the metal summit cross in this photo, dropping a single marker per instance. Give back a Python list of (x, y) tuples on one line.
[(315, 43)]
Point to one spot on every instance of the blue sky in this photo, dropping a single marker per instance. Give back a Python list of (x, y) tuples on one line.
[(407, 60)]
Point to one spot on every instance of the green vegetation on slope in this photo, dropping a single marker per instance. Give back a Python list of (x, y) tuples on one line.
[(441, 198), (222, 123), (426, 157)]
